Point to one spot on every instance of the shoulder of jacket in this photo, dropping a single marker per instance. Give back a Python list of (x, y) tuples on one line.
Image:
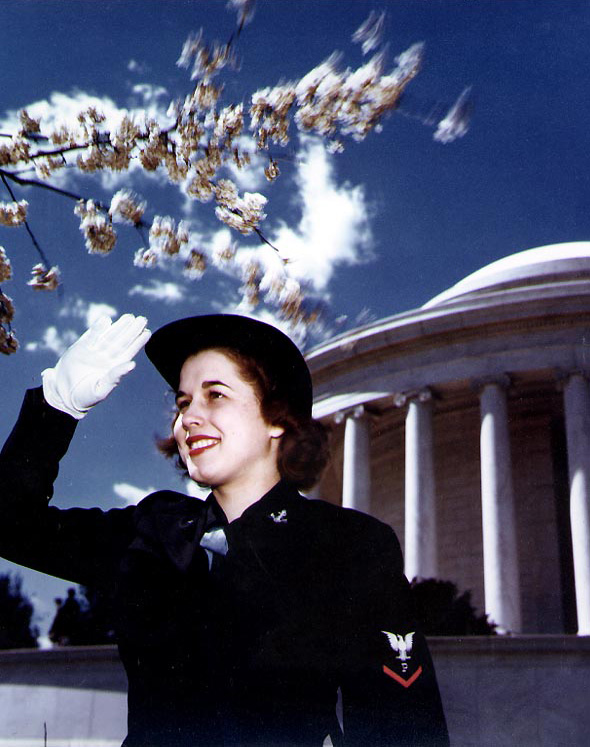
[(345, 519), (349, 537)]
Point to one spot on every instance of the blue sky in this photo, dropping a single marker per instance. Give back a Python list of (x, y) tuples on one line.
[(382, 227)]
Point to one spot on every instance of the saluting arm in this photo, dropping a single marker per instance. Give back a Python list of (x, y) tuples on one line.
[(75, 544)]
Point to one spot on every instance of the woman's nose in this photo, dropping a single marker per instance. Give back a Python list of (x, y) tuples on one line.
[(192, 415)]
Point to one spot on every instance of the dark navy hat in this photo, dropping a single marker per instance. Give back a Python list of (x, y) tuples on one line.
[(281, 359)]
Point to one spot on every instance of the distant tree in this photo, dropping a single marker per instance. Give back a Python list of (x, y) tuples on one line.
[(16, 613), (96, 619), (442, 610), (84, 619)]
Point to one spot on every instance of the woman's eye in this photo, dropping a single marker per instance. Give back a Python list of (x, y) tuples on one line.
[(182, 405), (213, 394)]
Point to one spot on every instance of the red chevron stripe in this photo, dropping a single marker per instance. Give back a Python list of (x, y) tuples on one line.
[(401, 680)]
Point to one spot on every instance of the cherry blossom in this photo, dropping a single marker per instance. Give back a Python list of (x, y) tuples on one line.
[(5, 267), (202, 139), (44, 279), (13, 213)]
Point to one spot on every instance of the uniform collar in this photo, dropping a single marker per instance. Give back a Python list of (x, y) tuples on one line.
[(277, 497)]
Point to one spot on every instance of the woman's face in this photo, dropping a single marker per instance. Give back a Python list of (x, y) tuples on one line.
[(221, 435)]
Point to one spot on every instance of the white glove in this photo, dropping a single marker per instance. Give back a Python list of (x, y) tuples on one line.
[(93, 366)]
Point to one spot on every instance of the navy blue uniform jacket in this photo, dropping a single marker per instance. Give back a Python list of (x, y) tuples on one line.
[(310, 598)]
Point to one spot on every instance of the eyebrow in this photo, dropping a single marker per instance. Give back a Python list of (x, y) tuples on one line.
[(209, 384), (205, 385)]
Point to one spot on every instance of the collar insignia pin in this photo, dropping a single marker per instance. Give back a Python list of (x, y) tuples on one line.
[(280, 517)]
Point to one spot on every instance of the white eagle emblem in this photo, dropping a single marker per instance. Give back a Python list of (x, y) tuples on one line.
[(280, 517), (402, 645)]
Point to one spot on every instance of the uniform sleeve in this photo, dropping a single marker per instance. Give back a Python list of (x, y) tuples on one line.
[(79, 545), (389, 690)]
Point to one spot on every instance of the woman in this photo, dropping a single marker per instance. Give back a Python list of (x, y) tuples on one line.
[(238, 618)]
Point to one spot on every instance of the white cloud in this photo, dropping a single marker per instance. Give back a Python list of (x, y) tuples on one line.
[(159, 290), (333, 230), (57, 340), (219, 242), (297, 331), (53, 341), (334, 227), (88, 311), (140, 68), (62, 109), (154, 100), (130, 494)]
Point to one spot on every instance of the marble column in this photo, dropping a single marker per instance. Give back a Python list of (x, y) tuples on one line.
[(420, 550), (501, 575), (577, 422), (356, 484)]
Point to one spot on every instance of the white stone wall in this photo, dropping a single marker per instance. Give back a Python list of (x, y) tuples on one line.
[(529, 691), (70, 697)]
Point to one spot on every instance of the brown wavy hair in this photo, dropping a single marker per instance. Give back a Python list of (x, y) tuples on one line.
[(304, 449)]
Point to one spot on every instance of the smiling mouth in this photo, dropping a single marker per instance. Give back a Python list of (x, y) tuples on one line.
[(199, 445)]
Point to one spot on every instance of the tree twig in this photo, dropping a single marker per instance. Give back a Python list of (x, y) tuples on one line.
[(43, 185), (32, 236)]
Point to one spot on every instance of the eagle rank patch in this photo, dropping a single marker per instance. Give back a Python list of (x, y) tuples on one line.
[(402, 646)]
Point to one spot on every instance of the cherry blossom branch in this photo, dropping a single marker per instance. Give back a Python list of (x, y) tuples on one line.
[(264, 240), (337, 105), (25, 222), (22, 182)]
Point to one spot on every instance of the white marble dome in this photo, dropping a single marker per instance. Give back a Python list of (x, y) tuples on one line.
[(555, 263)]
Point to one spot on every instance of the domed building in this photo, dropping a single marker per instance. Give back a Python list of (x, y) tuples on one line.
[(465, 424)]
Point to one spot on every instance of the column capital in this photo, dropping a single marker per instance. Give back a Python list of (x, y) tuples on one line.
[(401, 399), (356, 413), (503, 380), (564, 375)]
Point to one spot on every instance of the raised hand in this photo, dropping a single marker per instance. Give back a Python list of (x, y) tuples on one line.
[(92, 367)]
